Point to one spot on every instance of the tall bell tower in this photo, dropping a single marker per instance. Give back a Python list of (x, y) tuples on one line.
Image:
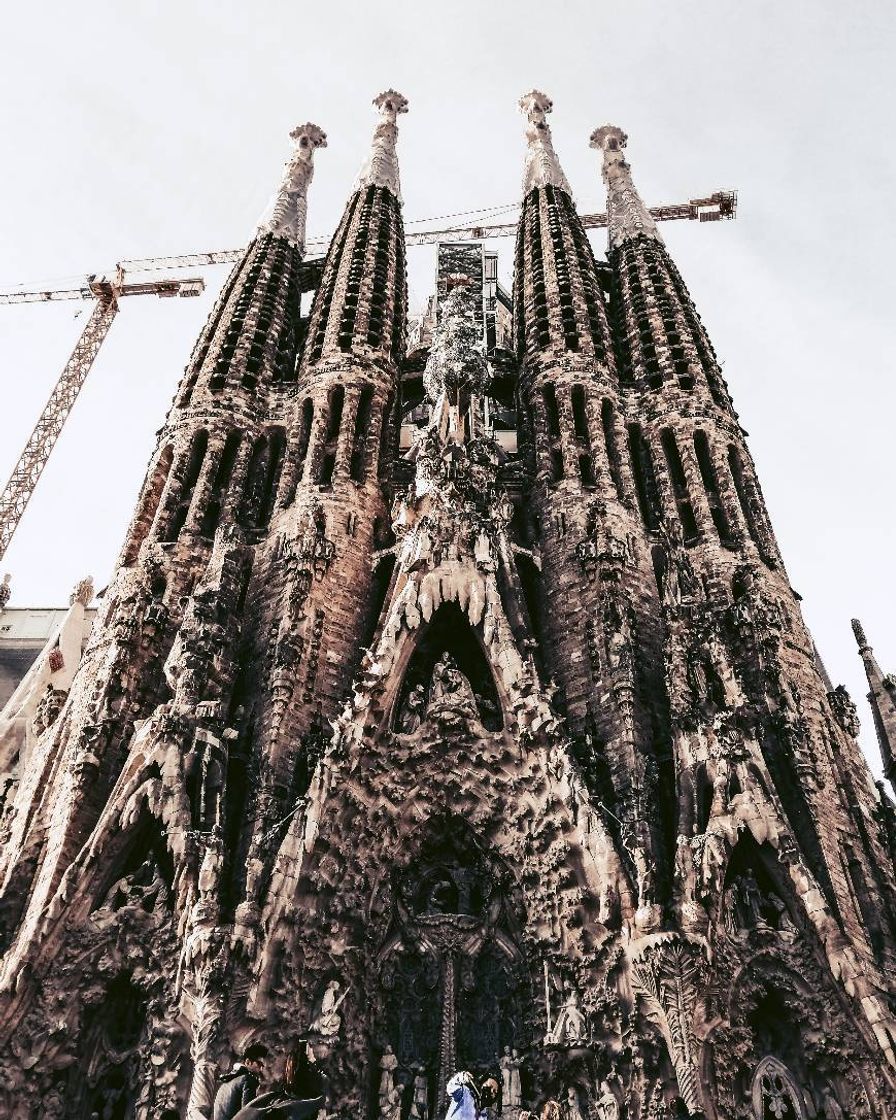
[(450, 707)]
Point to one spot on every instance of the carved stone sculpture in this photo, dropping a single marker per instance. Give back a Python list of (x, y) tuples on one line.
[(327, 1020), (570, 1027)]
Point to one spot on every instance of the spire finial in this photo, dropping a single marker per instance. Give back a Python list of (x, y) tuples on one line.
[(381, 167), (882, 697), (628, 217), (542, 167), (288, 210), (859, 630)]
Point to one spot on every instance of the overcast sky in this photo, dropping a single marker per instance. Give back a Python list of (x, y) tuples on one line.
[(139, 129)]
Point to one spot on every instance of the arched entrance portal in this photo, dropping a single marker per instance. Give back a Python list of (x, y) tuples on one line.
[(452, 976)]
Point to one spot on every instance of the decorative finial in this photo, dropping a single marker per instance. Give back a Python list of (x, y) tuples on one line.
[(288, 210), (542, 167), (381, 166), (859, 632), (83, 592), (627, 214)]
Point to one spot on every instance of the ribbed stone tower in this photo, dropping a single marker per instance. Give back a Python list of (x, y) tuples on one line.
[(510, 755)]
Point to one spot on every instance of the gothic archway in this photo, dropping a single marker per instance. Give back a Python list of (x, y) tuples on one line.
[(449, 633), (775, 1094), (452, 977)]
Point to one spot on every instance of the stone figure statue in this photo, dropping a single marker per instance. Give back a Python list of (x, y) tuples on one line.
[(828, 1106), (570, 1029), (414, 708), (420, 1098), (572, 1110), (390, 1106), (388, 1066), (607, 1106), (511, 1087), (448, 682), (328, 1021)]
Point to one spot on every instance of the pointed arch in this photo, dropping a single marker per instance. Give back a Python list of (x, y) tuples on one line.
[(450, 631), (774, 1093), (138, 856), (756, 889)]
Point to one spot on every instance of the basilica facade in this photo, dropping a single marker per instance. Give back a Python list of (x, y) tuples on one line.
[(450, 707)]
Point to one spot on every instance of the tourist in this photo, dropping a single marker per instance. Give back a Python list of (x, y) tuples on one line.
[(300, 1094), (240, 1085), (463, 1100), (488, 1099)]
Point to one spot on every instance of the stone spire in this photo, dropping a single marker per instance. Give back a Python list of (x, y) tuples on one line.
[(542, 167), (882, 698), (628, 216), (380, 169), (288, 209)]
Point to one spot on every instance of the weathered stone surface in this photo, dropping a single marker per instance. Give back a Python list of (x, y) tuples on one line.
[(450, 757)]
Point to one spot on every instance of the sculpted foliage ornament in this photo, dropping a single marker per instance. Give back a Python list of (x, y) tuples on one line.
[(668, 974)]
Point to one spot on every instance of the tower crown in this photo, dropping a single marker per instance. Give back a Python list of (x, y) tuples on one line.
[(380, 169), (542, 168), (287, 211), (627, 214)]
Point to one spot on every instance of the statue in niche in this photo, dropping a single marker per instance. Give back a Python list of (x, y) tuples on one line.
[(420, 1096), (388, 1065), (390, 1106), (829, 1108), (644, 875), (753, 908), (747, 902), (570, 1029), (413, 710), (327, 1022), (606, 1106), (511, 1086), (572, 1110), (143, 889), (618, 633), (442, 897), (451, 692)]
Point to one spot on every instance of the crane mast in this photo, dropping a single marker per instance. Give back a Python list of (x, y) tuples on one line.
[(31, 462)]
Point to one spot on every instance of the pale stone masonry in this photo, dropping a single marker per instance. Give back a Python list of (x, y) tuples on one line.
[(503, 747)]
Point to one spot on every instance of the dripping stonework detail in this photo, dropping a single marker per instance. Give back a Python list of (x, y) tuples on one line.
[(450, 706)]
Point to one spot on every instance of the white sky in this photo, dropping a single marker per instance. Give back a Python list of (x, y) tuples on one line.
[(139, 129)]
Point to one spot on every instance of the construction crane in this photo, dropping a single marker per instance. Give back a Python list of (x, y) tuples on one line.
[(17, 492), (713, 208), (107, 293)]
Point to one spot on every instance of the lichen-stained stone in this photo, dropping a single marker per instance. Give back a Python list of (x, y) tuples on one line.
[(444, 750)]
